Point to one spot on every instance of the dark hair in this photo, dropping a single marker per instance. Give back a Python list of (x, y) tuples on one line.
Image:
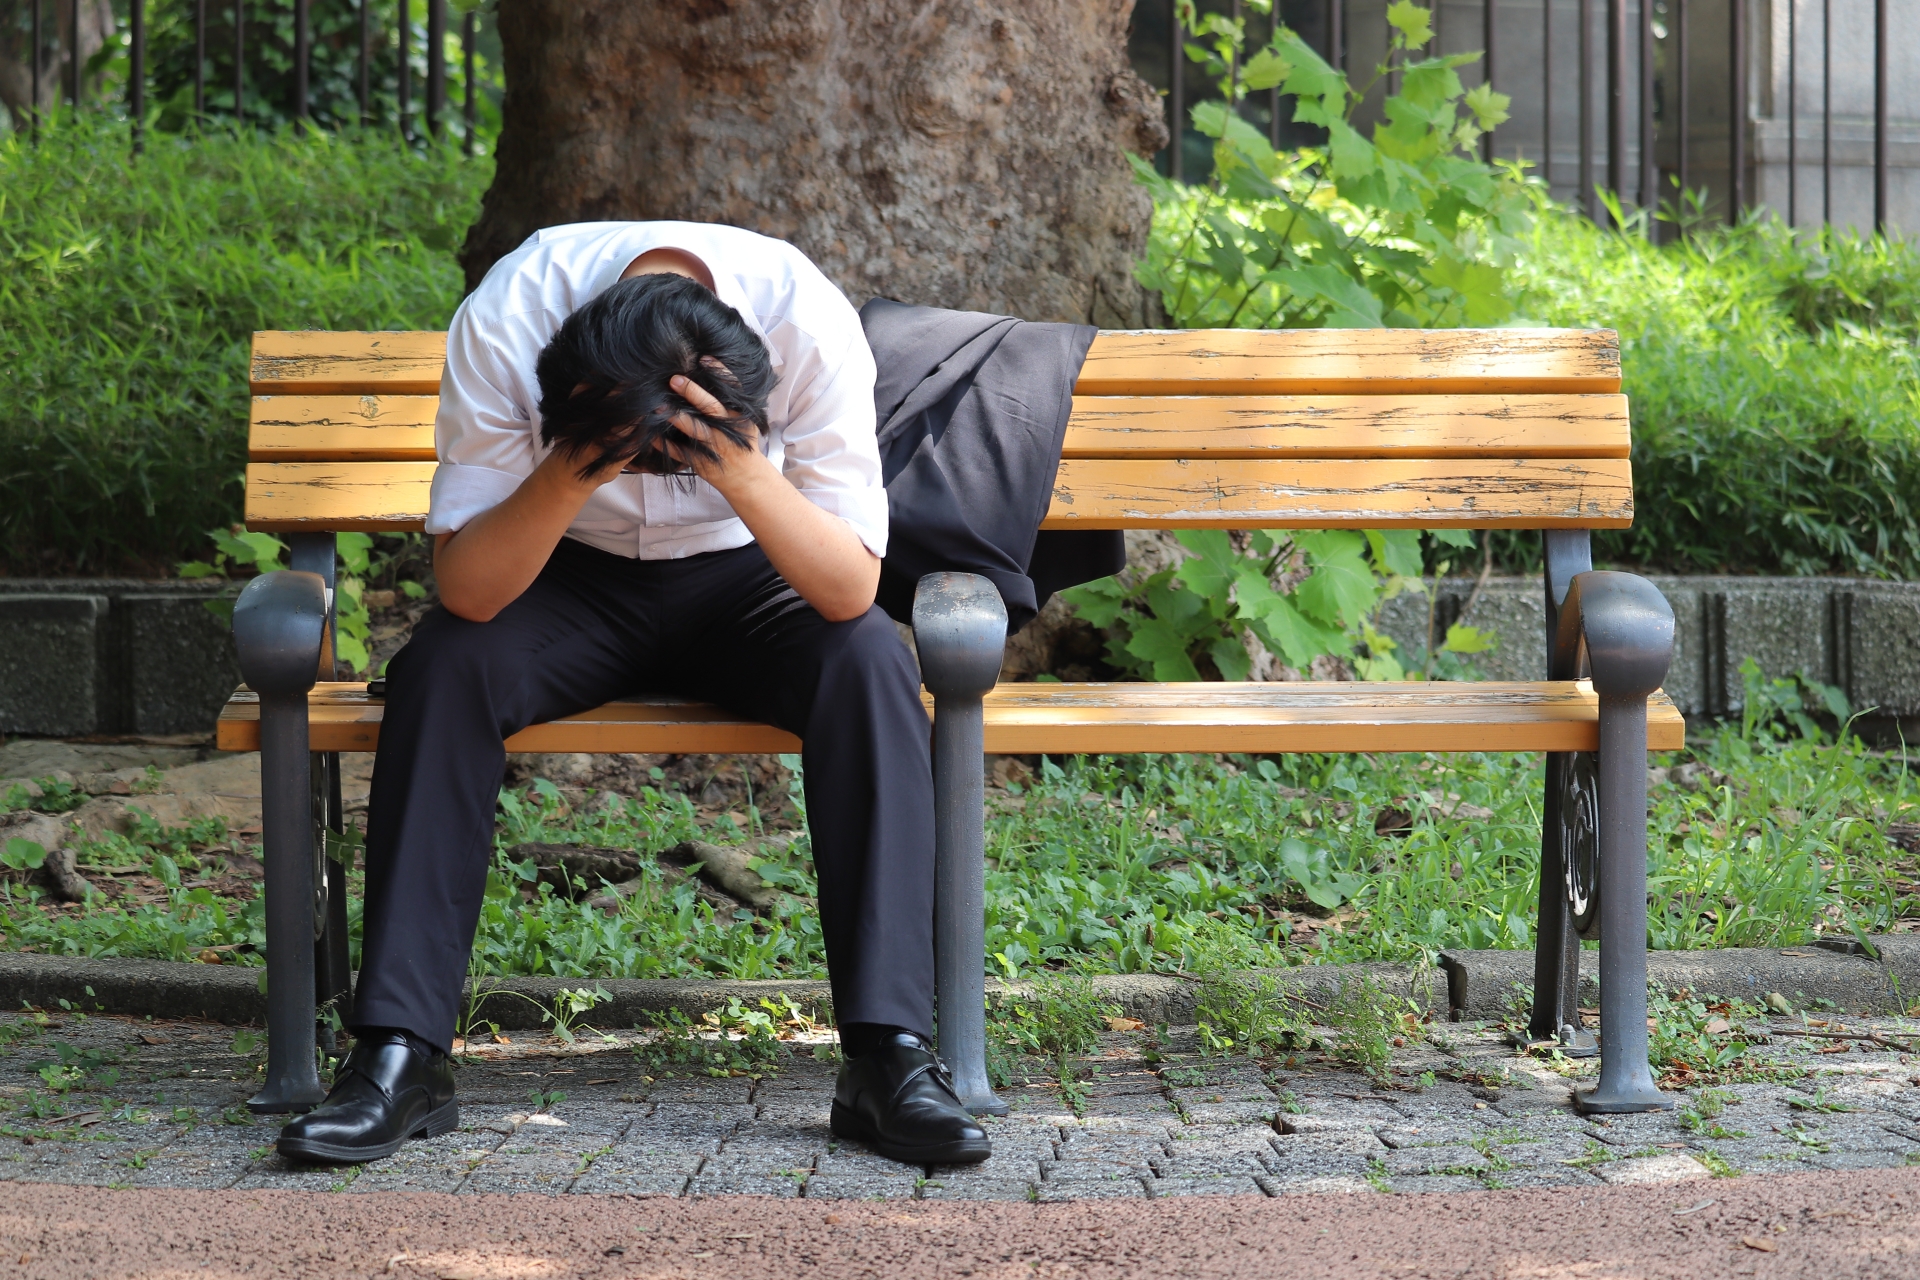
[(620, 352)]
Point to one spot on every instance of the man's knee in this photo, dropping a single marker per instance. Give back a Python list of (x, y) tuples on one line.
[(869, 649), (448, 650)]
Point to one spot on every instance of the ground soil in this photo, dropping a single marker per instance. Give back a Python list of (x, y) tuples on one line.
[(1825, 1225)]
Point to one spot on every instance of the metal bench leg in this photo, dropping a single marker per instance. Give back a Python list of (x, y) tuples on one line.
[(1624, 628), (1556, 952), (277, 627), (960, 629)]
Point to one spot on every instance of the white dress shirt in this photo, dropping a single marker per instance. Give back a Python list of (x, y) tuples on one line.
[(821, 415)]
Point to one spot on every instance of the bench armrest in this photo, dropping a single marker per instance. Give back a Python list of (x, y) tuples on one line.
[(1616, 627), (279, 629)]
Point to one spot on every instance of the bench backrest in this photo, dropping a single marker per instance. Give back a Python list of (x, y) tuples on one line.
[(1228, 428)]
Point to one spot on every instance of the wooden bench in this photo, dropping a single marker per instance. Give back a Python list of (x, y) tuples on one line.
[(1310, 429)]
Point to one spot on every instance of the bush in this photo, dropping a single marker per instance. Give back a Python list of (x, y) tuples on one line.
[(133, 286), (1774, 385)]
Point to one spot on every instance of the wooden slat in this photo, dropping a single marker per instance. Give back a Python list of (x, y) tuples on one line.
[(1068, 718), (322, 362), (1351, 362), (1121, 362), (1101, 493), (370, 497), (1557, 426), (364, 428)]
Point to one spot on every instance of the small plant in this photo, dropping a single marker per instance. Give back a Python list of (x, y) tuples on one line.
[(542, 1101), (1368, 1021), (1597, 1154), (1818, 1101), (570, 1004), (246, 1041), (1717, 1165), (23, 855), (1060, 1019), (1702, 1115), (1377, 1176)]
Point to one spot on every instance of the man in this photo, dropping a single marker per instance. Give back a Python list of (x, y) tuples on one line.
[(658, 473)]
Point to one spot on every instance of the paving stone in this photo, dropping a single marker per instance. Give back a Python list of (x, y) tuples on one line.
[(1276, 1184), (1332, 1142), (1673, 1167), (1434, 1133), (1093, 1170), (869, 1188), (1114, 1189), (946, 1188), (1838, 1159), (1543, 1177), (1421, 1184), (1431, 1160), (1638, 1130), (851, 1161), (745, 1185), (623, 1183), (1220, 1185), (1242, 1164)]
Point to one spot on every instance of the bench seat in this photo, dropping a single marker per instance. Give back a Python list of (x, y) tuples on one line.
[(1111, 719)]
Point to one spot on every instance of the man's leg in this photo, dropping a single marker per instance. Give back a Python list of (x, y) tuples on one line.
[(455, 693), (852, 693)]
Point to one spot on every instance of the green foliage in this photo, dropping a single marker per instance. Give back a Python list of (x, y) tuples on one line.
[(1207, 616), (1406, 228), (1775, 385), (362, 558), (134, 287), (1059, 1018)]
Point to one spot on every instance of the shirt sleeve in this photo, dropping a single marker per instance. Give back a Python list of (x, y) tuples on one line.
[(484, 431), (830, 452)]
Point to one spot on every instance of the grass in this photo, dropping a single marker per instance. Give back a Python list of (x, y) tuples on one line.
[(1759, 836), (133, 285)]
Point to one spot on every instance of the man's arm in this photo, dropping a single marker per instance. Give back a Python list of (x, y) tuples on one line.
[(818, 554), (485, 565)]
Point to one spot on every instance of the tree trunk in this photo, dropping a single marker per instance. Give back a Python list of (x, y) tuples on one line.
[(957, 153), (56, 39)]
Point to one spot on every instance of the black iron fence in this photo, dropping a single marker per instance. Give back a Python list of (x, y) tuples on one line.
[(330, 62), (1639, 88)]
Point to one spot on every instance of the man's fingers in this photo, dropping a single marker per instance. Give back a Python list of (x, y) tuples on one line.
[(697, 396)]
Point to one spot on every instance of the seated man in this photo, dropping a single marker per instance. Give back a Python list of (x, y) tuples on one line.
[(657, 473)]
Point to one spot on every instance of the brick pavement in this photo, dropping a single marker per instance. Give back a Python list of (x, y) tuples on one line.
[(111, 1101)]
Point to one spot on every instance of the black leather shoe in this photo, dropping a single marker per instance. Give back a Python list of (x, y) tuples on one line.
[(899, 1100), (388, 1090)]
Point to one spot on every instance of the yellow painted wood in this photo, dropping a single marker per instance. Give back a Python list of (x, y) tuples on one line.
[(1250, 362), (368, 497), (320, 362), (1102, 493), (1387, 426), (364, 428), (1070, 718)]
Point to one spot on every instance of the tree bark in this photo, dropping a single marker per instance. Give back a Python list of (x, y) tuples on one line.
[(956, 153), (56, 31)]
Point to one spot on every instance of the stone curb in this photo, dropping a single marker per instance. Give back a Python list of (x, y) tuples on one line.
[(1469, 985)]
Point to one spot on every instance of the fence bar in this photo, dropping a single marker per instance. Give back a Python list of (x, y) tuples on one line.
[(1826, 111), (1736, 129), (1649, 160), (406, 71), (200, 59), (37, 47), (302, 56), (1487, 16), (1587, 200), (74, 59), (239, 61), (366, 60), (436, 64), (1879, 116), (1617, 97), (1793, 114), (137, 72), (1546, 93), (1685, 93), (1336, 35), (1176, 96), (469, 36)]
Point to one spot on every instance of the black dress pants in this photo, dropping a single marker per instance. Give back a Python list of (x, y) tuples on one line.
[(722, 627)]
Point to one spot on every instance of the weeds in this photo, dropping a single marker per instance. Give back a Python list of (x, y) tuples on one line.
[(1058, 1020), (1702, 1115)]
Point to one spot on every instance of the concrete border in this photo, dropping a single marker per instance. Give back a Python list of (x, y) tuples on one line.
[(1467, 985)]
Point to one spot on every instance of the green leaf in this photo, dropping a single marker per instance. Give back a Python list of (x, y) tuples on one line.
[(1210, 571), (1230, 656), (1098, 602), (351, 650), (1350, 305), (1265, 70), (23, 855), (1165, 646), (1341, 589), (1462, 639), (1489, 108), (1453, 537), (353, 548), (1412, 22), (1396, 552)]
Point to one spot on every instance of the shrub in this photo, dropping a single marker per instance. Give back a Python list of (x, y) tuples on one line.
[(132, 287)]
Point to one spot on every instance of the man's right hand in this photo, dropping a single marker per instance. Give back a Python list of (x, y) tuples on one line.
[(486, 565)]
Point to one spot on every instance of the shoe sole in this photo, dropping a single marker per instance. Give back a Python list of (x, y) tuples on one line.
[(844, 1123), (444, 1120)]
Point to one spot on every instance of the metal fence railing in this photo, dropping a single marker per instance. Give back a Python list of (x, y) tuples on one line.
[(405, 39)]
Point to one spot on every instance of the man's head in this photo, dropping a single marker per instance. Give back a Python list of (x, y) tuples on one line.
[(605, 379)]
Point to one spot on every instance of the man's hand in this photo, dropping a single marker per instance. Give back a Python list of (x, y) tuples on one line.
[(733, 460)]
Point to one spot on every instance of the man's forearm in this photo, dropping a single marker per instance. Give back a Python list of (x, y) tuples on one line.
[(489, 562), (815, 551)]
